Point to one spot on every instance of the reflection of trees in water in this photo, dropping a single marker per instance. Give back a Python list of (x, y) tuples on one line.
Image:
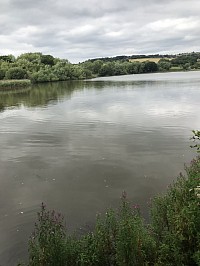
[(42, 94), (2, 108)]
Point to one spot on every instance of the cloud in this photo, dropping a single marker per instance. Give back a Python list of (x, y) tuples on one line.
[(78, 30)]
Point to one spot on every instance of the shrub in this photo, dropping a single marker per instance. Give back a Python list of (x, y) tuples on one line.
[(47, 244), (122, 238), (14, 84), (119, 238), (176, 220), (2, 74), (16, 73)]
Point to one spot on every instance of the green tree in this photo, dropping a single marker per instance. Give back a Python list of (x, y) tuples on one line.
[(31, 57), (2, 73), (96, 66), (16, 73), (119, 69), (62, 70), (7, 58), (107, 69), (164, 65), (150, 67), (47, 60)]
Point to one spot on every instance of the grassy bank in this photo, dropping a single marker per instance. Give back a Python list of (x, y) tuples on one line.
[(14, 84), (121, 237)]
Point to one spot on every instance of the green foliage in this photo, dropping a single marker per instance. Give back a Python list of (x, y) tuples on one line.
[(7, 58), (176, 220), (107, 69), (16, 73), (47, 244), (122, 238), (135, 243), (150, 67), (14, 84), (164, 65), (45, 68), (47, 60), (196, 139), (119, 238), (31, 57), (185, 58), (2, 73)]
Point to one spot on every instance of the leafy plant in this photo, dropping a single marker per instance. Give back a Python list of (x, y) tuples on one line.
[(47, 244), (121, 237), (196, 139), (176, 220)]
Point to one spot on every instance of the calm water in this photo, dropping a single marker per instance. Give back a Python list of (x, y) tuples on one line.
[(76, 146)]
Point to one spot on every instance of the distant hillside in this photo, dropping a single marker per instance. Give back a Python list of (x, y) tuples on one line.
[(142, 58)]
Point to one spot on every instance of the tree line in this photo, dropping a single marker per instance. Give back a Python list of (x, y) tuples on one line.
[(39, 68), (43, 68)]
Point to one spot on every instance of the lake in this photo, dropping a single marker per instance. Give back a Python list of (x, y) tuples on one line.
[(76, 146)]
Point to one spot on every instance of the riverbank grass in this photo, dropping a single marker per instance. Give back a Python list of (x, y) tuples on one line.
[(14, 84), (121, 237)]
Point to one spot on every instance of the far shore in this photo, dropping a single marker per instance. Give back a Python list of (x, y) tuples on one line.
[(18, 84)]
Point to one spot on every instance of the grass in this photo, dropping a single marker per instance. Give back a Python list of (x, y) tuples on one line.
[(14, 84), (151, 59), (176, 68), (122, 238)]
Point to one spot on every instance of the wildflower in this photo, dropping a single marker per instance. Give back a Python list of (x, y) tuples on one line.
[(136, 206)]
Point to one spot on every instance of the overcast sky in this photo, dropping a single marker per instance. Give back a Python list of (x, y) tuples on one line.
[(82, 29)]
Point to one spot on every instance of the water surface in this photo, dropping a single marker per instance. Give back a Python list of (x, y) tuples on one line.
[(77, 145)]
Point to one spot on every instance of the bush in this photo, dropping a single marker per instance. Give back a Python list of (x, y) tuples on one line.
[(176, 220), (16, 73), (122, 238), (47, 244), (14, 84), (2, 74), (119, 238)]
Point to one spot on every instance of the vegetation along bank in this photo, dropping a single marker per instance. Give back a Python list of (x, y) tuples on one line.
[(122, 237), (38, 67), (6, 85)]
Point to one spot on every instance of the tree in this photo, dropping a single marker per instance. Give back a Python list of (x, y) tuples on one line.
[(62, 70), (119, 69), (2, 74), (150, 67), (47, 60), (96, 66), (107, 69), (164, 65), (31, 57), (7, 58), (16, 73)]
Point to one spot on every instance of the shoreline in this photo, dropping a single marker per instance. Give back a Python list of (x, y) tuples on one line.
[(11, 85)]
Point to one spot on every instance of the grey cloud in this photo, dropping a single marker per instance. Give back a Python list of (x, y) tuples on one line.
[(79, 30)]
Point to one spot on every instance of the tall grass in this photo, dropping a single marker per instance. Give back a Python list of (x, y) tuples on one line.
[(122, 238), (14, 84)]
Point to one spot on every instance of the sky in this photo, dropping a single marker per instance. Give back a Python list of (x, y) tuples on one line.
[(81, 29)]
